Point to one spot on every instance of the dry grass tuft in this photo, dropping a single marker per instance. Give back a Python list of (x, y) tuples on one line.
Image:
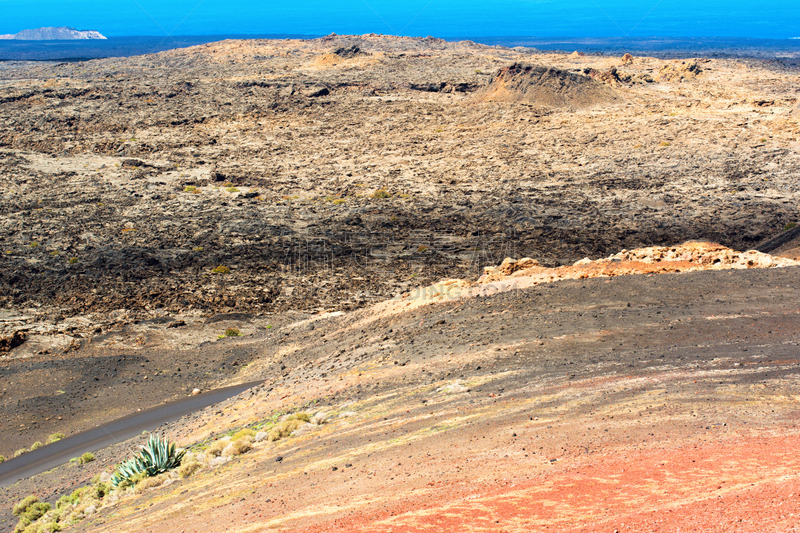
[(288, 425), (238, 447), (216, 448)]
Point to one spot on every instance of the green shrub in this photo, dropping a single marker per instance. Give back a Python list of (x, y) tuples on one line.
[(2, 459), (232, 189), (88, 457), (790, 225), (221, 270), (381, 193), (100, 490), (29, 510), (73, 260), (55, 437), (23, 506), (20, 452), (233, 332), (36, 445), (155, 457), (69, 500)]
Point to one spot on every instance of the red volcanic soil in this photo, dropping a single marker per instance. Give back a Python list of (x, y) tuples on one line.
[(749, 484)]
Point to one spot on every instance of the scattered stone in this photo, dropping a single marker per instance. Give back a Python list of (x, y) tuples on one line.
[(348, 52), (677, 71), (10, 342)]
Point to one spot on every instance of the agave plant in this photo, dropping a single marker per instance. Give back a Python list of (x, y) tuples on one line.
[(155, 457)]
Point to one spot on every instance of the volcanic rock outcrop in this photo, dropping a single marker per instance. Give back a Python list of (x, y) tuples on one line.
[(545, 86)]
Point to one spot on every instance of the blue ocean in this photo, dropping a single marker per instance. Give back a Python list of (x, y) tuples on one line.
[(665, 47), (144, 26)]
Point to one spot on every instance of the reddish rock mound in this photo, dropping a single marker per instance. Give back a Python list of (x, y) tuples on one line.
[(545, 86), (687, 257)]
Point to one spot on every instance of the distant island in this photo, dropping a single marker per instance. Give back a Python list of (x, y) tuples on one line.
[(62, 33)]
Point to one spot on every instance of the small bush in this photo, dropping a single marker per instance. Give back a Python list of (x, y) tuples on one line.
[(232, 189), (23, 506), (238, 447), (71, 499), (233, 332), (789, 226), (339, 201), (216, 448), (50, 527), (100, 490), (190, 188), (34, 244), (20, 452), (381, 193), (288, 426), (88, 457), (36, 445), (55, 437), (29, 510), (244, 433), (150, 483), (665, 143), (73, 260), (2, 459), (189, 469), (221, 270)]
